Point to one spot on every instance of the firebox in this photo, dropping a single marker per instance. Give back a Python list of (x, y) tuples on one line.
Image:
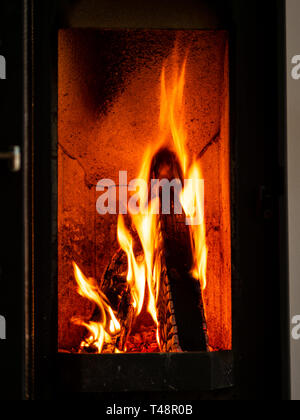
[(143, 132), (153, 220)]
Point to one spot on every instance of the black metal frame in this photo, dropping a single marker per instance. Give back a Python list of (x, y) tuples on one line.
[(173, 372), (260, 278), (11, 210)]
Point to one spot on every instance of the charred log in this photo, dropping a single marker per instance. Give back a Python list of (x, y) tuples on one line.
[(168, 330), (185, 295), (115, 286)]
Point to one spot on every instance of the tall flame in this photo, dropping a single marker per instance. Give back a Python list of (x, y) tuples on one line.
[(171, 111), (192, 196)]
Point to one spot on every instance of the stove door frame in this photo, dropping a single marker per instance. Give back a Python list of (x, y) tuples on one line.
[(258, 198)]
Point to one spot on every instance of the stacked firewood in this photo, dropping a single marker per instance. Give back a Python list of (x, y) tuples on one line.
[(181, 312)]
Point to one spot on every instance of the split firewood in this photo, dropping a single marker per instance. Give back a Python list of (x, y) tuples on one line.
[(180, 300), (115, 286)]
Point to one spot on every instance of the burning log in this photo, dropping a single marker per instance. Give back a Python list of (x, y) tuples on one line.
[(168, 330), (179, 304), (115, 286), (181, 311)]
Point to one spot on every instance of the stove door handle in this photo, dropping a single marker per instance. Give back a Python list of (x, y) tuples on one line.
[(13, 156)]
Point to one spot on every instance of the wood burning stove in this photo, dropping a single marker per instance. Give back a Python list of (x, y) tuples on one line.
[(153, 220)]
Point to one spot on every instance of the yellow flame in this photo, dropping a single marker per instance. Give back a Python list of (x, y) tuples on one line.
[(192, 200)]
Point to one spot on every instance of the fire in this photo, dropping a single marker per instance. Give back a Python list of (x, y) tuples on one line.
[(192, 197), (145, 256), (172, 112), (136, 271), (103, 331), (146, 221), (192, 200), (145, 275)]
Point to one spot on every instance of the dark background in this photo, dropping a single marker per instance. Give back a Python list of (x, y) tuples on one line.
[(11, 202)]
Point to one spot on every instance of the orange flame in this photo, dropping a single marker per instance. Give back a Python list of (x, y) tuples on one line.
[(192, 197), (103, 331), (136, 271), (171, 111)]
